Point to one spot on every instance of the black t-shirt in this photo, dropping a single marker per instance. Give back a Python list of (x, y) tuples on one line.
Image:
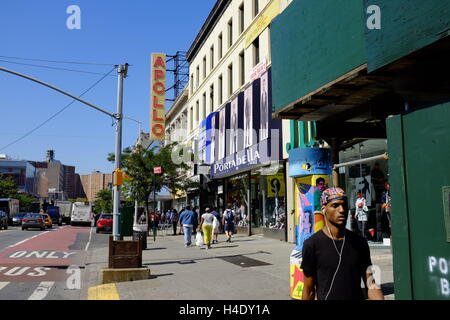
[(320, 260)]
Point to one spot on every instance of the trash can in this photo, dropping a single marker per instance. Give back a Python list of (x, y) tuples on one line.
[(140, 233)]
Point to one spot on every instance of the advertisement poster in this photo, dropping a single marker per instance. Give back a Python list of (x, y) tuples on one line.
[(248, 117), (221, 134), (234, 126), (264, 108)]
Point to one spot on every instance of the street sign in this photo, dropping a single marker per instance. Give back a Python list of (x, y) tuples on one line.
[(157, 170)]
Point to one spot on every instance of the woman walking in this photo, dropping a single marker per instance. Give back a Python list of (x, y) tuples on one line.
[(206, 224)]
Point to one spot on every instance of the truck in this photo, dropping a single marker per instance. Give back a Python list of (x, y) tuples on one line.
[(53, 212), (65, 210), (10, 206), (81, 214)]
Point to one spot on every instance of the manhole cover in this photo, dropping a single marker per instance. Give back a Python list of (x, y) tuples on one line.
[(244, 262)]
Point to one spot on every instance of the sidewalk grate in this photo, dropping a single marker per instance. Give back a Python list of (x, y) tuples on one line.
[(244, 262)]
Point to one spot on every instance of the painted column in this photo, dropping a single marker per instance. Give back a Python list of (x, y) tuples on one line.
[(309, 166)]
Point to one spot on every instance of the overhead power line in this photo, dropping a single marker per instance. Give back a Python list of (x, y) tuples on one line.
[(57, 113), (59, 61), (49, 67)]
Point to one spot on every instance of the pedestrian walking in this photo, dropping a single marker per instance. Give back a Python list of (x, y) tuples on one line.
[(386, 200), (143, 219), (361, 213), (217, 227), (206, 224), (174, 217), (197, 218), (335, 259), (228, 221), (187, 219)]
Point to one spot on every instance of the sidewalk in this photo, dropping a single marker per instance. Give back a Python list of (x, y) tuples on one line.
[(249, 268)]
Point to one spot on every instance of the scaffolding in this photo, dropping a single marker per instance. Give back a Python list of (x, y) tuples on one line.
[(180, 72)]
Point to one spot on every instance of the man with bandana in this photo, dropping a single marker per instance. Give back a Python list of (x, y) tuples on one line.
[(336, 259)]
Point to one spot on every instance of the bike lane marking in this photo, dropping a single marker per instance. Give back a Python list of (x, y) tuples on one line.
[(47, 258), (41, 291)]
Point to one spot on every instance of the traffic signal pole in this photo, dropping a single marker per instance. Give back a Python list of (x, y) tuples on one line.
[(122, 73)]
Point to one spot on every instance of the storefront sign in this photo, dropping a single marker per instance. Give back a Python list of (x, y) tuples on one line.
[(158, 96), (254, 156), (258, 70), (275, 185), (309, 161)]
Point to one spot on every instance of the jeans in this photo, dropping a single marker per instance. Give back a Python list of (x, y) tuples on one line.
[(362, 228), (187, 235)]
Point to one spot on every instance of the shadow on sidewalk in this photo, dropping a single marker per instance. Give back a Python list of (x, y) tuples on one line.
[(189, 261)]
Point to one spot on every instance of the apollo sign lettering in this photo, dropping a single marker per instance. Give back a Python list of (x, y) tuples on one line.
[(158, 96)]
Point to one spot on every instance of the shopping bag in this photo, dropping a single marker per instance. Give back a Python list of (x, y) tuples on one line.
[(199, 239), (216, 225)]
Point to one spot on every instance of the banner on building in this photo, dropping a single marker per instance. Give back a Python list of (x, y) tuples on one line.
[(158, 96), (262, 22)]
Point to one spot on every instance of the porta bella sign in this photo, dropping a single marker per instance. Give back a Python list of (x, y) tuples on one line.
[(158, 96)]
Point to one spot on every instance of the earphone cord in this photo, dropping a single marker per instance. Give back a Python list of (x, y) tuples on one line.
[(340, 258)]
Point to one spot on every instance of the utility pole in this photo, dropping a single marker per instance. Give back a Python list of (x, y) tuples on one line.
[(122, 73)]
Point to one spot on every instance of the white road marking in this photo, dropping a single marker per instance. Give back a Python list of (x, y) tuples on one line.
[(89, 241), (23, 241), (41, 291), (3, 284)]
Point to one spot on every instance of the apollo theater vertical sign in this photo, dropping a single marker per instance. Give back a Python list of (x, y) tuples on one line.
[(158, 96)]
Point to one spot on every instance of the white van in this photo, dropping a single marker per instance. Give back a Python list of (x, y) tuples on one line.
[(81, 214)]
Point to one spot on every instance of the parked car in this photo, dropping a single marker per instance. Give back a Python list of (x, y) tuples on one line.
[(3, 220), (33, 220), (17, 219), (105, 222), (47, 220)]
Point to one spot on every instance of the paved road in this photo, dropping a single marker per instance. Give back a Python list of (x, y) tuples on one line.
[(38, 265)]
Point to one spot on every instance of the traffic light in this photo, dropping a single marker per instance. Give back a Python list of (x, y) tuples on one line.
[(117, 177)]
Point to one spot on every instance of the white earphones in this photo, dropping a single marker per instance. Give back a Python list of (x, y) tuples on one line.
[(339, 254)]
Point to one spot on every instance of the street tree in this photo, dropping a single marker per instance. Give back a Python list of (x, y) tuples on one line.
[(8, 187), (103, 201), (138, 164)]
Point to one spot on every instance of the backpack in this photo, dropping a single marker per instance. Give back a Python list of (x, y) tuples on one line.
[(229, 216)]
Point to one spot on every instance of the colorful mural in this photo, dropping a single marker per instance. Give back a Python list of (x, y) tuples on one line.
[(308, 220)]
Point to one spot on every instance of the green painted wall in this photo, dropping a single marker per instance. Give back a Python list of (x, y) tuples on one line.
[(406, 26), (419, 149), (314, 42)]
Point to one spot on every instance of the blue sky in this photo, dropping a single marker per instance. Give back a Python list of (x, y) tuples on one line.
[(112, 32)]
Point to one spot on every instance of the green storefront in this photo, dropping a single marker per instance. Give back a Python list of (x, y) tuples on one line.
[(362, 70)]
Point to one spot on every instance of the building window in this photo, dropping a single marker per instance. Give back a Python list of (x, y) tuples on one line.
[(192, 83), (204, 106), (230, 79), (241, 18), (241, 68), (220, 89), (211, 58), (255, 8), (230, 33), (197, 112), (211, 98), (220, 46), (197, 78), (204, 67), (191, 119), (255, 46)]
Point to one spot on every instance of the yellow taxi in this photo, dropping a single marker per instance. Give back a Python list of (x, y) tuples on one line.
[(47, 220)]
